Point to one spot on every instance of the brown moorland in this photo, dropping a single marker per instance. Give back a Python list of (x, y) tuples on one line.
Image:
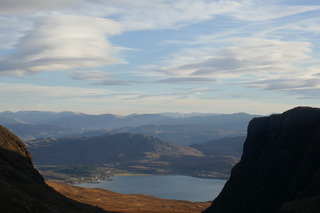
[(132, 203)]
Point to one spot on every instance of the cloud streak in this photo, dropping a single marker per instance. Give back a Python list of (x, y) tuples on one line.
[(98, 78), (186, 80), (290, 67), (240, 56)]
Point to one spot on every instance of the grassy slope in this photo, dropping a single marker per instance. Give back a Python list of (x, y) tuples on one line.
[(112, 201)]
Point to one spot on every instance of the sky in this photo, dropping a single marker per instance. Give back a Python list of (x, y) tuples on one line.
[(152, 56)]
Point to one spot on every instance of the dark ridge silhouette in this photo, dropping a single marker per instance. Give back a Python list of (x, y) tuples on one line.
[(22, 188), (279, 171)]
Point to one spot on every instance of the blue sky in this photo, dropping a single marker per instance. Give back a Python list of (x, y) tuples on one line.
[(123, 57)]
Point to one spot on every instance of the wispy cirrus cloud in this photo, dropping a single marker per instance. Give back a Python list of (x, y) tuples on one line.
[(12, 28), (240, 57), (58, 98), (287, 84), (97, 77), (178, 94), (267, 64), (186, 80), (163, 14), (261, 11), (92, 75)]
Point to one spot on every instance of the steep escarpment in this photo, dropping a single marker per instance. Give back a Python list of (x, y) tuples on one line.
[(280, 167), (22, 188)]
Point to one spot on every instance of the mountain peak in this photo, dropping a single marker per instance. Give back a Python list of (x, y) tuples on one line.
[(12, 147)]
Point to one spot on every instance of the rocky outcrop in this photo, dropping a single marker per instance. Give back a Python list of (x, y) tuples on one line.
[(22, 188), (280, 167)]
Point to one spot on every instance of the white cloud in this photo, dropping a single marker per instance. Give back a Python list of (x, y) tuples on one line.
[(290, 67), (187, 80), (11, 29), (61, 98), (92, 75), (136, 15), (58, 98), (250, 43), (311, 26), (98, 77), (162, 14), (174, 14), (313, 93), (240, 57), (191, 103), (63, 42), (265, 11), (14, 7), (299, 84)]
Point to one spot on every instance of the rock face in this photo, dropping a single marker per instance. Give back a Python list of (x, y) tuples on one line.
[(22, 188), (280, 167)]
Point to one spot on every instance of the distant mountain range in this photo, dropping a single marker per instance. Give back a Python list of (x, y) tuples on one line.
[(81, 120), (183, 129), (137, 143)]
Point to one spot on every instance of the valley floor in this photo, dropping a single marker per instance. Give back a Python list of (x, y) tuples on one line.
[(116, 202)]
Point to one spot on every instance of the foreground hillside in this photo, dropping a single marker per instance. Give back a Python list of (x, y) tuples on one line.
[(22, 188), (279, 170), (132, 203)]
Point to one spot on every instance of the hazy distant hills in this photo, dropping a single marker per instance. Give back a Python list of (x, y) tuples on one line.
[(138, 143), (182, 129), (104, 149), (81, 120), (228, 146), (182, 134), (136, 153)]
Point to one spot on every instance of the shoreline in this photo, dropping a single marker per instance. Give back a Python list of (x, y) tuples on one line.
[(137, 175)]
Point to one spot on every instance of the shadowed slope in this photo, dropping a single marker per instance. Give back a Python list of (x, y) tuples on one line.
[(22, 188)]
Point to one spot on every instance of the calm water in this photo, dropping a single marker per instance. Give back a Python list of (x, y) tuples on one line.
[(169, 186)]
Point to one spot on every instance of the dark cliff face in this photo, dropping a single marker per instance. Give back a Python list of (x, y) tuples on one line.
[(280, 167), (22, 188)]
